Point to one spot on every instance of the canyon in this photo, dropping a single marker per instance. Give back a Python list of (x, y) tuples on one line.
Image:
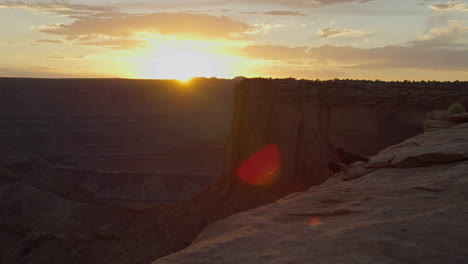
[(305, 121), (308, 121), (411, 207), (151, 131)]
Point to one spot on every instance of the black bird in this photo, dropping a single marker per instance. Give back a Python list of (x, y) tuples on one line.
[(349, 158), (335, 166)]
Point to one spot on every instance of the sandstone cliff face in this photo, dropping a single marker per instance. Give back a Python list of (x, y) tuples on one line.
[(49, 218), (412, 208), (296, 116), (308, 120)]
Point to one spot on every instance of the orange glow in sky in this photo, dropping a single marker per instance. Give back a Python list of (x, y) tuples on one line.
[(262, 167), (180, 39)]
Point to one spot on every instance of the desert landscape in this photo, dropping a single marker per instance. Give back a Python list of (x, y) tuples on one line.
[(231, 132), (154, 132), (139, 215)]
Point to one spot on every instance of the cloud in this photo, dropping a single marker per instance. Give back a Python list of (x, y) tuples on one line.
[(58, 7), (173, 4), (66, 57), (271, 52), (333, 2), (276, 13), (178, 24), (53, 41), (331, 32), (284, 13), (115, 43), (310, 3), (106, 26), (350, 57), (456, 34), (78, 11), (449, 6), (393, 57), (262, 28), (46, 72)]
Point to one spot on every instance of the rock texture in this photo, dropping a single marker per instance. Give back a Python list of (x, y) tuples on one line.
[(412, 208), (308, 121), (296, 117), (46, 217), (138, 186), (49, 218), (441, 119)]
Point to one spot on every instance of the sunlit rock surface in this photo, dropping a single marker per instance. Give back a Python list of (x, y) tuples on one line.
[(401, 212)]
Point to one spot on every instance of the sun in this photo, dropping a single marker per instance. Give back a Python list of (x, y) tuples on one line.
[(182, 63)]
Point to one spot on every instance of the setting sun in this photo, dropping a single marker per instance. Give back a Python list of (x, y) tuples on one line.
[(176, 61)]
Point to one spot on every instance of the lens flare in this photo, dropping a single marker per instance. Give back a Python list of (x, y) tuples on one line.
[(314, 222), (261, 168)]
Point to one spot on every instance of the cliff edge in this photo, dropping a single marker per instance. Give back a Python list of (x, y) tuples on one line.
[(307, 121), (411, 208)]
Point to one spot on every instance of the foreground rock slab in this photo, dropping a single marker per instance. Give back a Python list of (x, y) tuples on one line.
[(402, 214)]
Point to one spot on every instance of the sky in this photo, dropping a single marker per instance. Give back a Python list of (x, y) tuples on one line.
[(175, 39)]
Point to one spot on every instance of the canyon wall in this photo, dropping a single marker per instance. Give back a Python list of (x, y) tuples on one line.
[(158, 126), (137, 186), (307, 121), (411, 206), (45, 213), (130, 140)]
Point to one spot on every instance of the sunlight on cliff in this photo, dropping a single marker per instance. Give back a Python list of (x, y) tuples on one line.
[(262, 167)]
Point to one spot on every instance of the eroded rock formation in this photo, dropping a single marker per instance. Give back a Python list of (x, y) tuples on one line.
[(308, 121), (138, 186), (49, 218), (412, 208)]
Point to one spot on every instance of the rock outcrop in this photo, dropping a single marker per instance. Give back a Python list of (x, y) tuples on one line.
[(52, 218), (307, 121), (441, 119), (411, 208)]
